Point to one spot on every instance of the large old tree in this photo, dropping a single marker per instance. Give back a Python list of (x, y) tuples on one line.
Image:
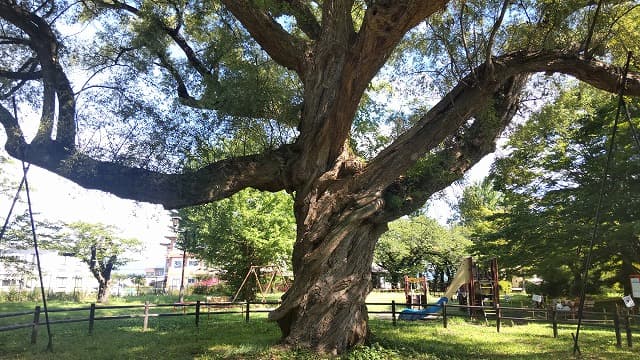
[(148, 106)]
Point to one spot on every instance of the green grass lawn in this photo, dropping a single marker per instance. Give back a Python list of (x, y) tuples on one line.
[(229, 337)]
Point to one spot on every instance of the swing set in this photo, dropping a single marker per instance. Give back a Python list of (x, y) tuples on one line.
[(272, 273)]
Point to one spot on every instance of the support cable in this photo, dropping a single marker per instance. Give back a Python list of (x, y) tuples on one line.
[(25, 183), (634, 131), (15, 198), (13, 204), (35, 246), (603, 183)]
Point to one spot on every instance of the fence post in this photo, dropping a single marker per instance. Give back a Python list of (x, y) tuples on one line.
[(197, 313), (145, 321), (444, 315), (498, 314), (36, 325), (247, 314), (92, 316), (616, 325), (393, 312), (627, 324), (554, 319)]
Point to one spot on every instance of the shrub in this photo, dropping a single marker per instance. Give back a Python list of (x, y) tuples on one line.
[(15, 295), (505, 286), (76, 296)]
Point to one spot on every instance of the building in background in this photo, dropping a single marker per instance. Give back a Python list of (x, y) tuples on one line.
[(60, 273), (195, 270)]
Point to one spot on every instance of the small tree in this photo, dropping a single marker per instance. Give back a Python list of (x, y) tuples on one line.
[(97, 246)]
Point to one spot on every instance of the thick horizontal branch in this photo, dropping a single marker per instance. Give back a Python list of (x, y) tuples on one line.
[(596, 73), (20, 75), (219, 180)]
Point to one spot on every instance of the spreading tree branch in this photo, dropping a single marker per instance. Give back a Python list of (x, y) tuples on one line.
[(305, 19), (192, 58), (273, 170), (458, 153), (468, 97), (587, 42), (44, 43), (283, 48), (492, 35), (347, 62), (26, 72)]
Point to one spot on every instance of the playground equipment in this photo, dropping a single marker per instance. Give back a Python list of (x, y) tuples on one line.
[(271, 272), (474, 286), (416, 290)]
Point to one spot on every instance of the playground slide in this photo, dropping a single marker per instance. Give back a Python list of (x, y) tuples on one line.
[(417, 314), (461, 278)]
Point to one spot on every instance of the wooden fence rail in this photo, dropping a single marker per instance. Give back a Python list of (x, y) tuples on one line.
[(621, 320)]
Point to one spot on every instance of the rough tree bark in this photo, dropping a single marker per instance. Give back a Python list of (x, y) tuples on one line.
[(103, 292), (342, 204), (102, 273)]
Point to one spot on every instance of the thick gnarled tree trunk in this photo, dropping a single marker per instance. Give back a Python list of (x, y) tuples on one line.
[(324, 309)]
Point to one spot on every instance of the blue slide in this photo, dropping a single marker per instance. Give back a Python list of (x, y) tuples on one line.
[(417, 314)]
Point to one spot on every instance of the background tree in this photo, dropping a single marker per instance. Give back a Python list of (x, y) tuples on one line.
[(478, 214), (410, 245), (295, 72), (19, 237), (251, 228), (97, 246), (6, 184), (479, 200), (551, 184)]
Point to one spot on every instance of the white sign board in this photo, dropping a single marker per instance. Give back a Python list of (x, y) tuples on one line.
[(635, 286), (628, 301), (537, 298)]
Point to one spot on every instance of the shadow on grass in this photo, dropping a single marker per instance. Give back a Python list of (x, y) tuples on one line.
[(225, 337), (229, 337), (468, 341)]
